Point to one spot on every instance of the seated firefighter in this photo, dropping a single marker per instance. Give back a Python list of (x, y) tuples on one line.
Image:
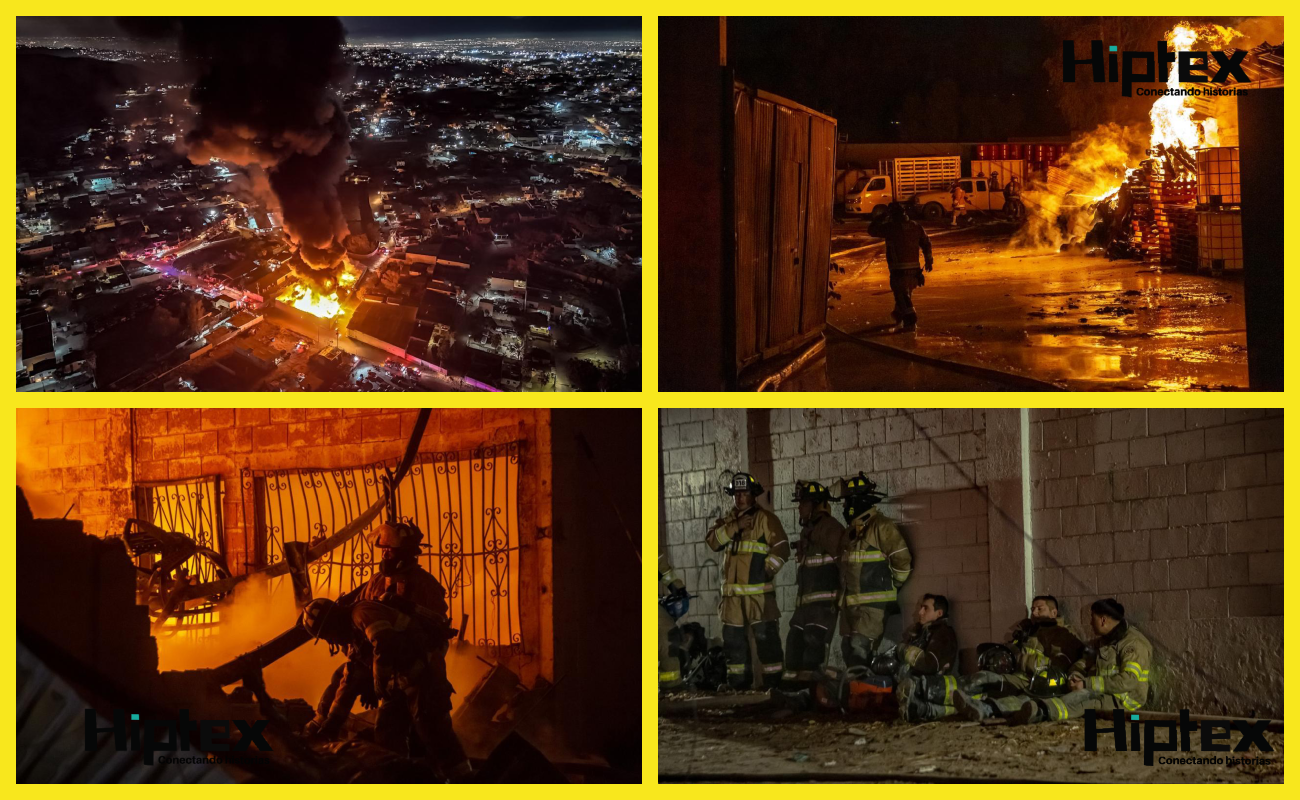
[(755, 548), (924, 661), (874, 563), (1111, 674), (1042, 648), (818, 578)]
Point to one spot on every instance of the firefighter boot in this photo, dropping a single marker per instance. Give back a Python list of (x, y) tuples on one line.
[(736, 646), (970, 708), (767, 638), (1027, 714)]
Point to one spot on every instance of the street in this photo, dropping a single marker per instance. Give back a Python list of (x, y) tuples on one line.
[(1074, 321)]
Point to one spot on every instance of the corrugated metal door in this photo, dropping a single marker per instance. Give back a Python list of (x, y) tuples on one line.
[(784, 162)]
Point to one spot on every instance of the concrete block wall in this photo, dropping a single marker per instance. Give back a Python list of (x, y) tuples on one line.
[(1177, 513), (931, 463)]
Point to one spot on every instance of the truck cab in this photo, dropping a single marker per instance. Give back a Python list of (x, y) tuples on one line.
[(978, 196), (871, 194)]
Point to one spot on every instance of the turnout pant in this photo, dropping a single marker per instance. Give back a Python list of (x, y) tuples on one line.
[(926, 697), (993, 684), (861, 628), (807, 642), (735, 643), (903, 282), (1055, 709)]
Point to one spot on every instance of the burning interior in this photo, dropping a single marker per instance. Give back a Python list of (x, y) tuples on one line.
[(203, 566)]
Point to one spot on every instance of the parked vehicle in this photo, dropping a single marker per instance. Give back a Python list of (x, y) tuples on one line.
[(901, 179)]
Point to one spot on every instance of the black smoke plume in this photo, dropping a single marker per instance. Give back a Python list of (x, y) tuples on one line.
[(264, 97)]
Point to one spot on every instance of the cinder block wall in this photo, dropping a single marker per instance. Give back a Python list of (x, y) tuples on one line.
[(1177, 514), (930, 463)]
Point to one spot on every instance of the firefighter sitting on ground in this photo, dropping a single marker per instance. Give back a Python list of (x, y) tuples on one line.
[(818, 552), (755, 548), (674, 602), (1041, 649), (874, 562), (925, 660), (1111, 674)]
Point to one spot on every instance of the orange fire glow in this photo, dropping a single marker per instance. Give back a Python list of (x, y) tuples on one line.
[(304, 298)]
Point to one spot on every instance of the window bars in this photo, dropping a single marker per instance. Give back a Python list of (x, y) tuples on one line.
[(191, 507), (465, 502)]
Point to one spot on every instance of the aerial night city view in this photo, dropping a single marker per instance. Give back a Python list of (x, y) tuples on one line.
[(329, 204)]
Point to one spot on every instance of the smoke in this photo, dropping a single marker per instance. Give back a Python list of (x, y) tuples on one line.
[(259, 610), (1061, 208), (1258, 30), (264, 101)]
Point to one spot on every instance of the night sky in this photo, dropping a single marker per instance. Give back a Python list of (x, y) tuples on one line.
[(385, 27)]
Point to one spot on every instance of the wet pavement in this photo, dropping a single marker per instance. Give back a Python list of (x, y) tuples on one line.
[(1075, 321)]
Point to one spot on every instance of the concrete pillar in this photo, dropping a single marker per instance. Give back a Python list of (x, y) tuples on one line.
[(1010, 579)]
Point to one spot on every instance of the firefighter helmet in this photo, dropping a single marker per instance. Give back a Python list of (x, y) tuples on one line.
[(744, 482), (397, 535), (998, 658), (811, 491), (1048, 681), (858, 493), (320, 619)]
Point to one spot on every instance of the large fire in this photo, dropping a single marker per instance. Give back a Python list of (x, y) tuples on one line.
[(304, 298), (1097, 166)]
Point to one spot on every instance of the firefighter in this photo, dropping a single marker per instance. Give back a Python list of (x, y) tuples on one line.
[(674, 602), (817, 553), (1042, 647), (958, 203), (905, 240), (323, 619), (1111, 674), (1011, 198), (416, 695), (756, 548), (926, 657), (874, 562)]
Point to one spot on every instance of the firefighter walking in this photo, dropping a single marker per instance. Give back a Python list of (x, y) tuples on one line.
[(818, 579), (875, 561), (755, 548)]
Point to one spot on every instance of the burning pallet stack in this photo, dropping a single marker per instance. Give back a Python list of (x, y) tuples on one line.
[(1164, 216)]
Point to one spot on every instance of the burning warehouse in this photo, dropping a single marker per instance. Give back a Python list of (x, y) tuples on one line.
[(970, 595), (973, 203), (345, 595)]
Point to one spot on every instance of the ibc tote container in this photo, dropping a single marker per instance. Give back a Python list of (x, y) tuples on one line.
[(1218, 177), (1218, 240)]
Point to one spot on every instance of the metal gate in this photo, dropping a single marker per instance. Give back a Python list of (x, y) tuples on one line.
[(191, 507), (784, 161), (465, 502)]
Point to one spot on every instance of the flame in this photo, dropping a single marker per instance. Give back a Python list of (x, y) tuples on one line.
[(304, 298), (347, 278), (1171, 118)]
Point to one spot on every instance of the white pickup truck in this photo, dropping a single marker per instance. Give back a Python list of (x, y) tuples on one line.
[(979, 196), (901, 179)]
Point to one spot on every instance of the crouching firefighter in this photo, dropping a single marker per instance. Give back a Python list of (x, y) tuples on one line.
[(1111, 674), (874, 562), (1042, 648), (818, 578), (755, 549), (674, 602), (324, 619), (403, 613), (925, 660)]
